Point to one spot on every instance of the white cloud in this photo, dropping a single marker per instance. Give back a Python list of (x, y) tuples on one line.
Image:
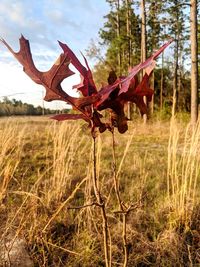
[(17, 13), (15, 83), (44, 22), (14, 80), (13, 11), (60, 20)]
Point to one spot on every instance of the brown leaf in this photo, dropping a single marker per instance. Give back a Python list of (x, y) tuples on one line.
[(87, 86), (51, 79), (63, 117)]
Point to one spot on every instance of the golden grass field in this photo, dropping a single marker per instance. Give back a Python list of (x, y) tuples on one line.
[(45, 180)]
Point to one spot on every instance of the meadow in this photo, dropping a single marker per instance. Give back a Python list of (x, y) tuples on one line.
[(47, 195)]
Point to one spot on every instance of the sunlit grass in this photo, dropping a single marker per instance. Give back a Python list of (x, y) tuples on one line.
[(45, 171), (184, 170)]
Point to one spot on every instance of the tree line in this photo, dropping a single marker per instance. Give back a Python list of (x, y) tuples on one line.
[(17, 107), (134, 29)]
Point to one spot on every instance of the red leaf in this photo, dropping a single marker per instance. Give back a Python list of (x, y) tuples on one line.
[(51, 79), (63, 117), (90, 78), (138, 89), (87, 86), (97, 122), (105, 91), (139, 101), (112, 96), (74, 60), (126, 89), (81, 86), (125, 83), (118, 117)]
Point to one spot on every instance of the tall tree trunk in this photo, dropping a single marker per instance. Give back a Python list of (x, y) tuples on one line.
[(143, 42), (152, 86), (194, 63), (162, 83), (118, 35), (128, 34), (128, 30), (143, 32), (175, 80)]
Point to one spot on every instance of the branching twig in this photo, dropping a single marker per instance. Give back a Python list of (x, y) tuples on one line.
[(120, 203), (64, 203), (116, 183), (101, 203), (124, 210), (84, 206), (124, 216), (63, 249)]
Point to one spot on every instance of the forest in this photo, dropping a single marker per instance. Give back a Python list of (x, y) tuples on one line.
[(113, 189), (133, 30), (17, 107)]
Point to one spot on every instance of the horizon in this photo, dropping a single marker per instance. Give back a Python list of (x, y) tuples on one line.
[(43, 23)]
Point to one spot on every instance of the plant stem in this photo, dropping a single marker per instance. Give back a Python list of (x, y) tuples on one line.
[(125, 240), (116, 183), (121, 207), (101, 205)]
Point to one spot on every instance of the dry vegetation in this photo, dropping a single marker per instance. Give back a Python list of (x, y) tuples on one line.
[(47, 197)]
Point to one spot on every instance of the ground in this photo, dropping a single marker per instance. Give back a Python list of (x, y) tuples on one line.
[(46, 172)]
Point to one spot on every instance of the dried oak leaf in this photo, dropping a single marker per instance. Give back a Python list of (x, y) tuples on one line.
[(124, 83), (128, 89), (63, 117), (87, 86), (51, 79)]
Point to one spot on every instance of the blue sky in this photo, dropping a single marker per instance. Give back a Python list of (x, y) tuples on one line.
[(43, 22)]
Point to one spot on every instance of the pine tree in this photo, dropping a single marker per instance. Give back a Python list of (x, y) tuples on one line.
[(153, 24), (153, 35), (121, 35), (177, 19)]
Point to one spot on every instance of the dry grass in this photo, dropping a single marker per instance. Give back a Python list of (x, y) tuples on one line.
[(46, 168), (10, 153), (183, 170), (68, 146)]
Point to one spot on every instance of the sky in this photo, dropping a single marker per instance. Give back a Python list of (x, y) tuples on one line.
[(43, 22)]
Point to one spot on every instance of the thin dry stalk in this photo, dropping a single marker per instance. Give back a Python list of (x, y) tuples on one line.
[(122, 208), (116, 182), (117, 171), (64, 203), (86, 216), (172, 181), (174, 100), (11, 145), (125, 153), (28, 195), (101, 203), (61, 248), (66, 142), (124, 234), (183, 170)]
